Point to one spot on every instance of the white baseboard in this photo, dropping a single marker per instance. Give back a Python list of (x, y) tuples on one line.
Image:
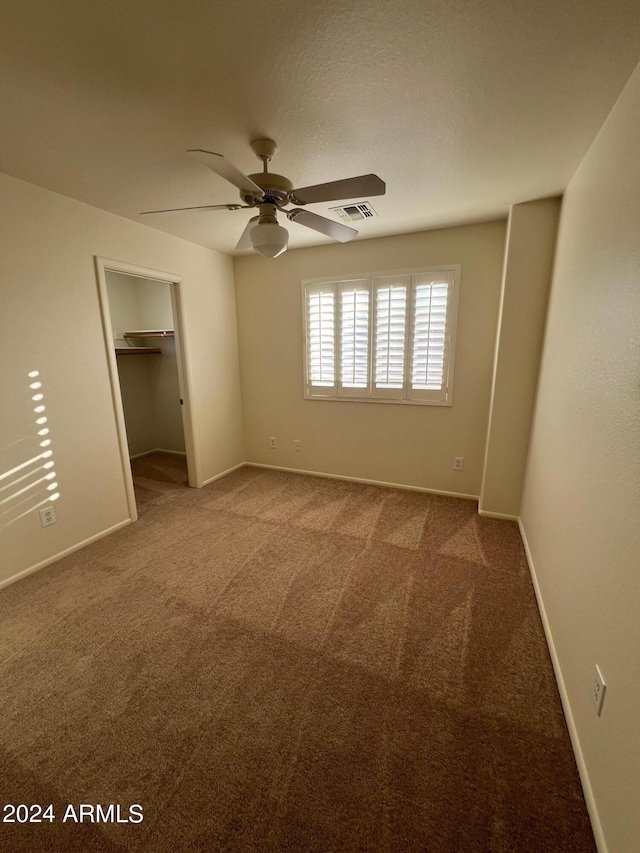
[(158, 450), (500, 515), (362, 480), (592, 808), (222, 474), (61, 554)]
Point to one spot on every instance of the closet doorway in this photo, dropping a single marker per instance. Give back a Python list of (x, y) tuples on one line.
[(142, 330)]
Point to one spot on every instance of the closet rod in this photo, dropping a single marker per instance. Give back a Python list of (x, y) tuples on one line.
[(149, 333), (138, 351)]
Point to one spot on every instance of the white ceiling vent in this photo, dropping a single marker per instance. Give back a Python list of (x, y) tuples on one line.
[(355, 212)]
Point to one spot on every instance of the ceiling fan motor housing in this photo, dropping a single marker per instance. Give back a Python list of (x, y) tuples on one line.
[(276, 188)]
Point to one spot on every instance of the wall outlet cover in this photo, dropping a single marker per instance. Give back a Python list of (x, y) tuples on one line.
[(47, 516), (598, 689)]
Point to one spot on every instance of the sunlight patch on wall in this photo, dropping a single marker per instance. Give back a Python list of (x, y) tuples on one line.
[(33, 482)]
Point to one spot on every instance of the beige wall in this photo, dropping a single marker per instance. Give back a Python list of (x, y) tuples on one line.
[(410, 445), (581, 502), (528, 265), (137, 403), (50, 321), (168, 433)]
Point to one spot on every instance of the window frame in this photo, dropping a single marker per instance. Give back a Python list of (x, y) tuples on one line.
[(411, 397)]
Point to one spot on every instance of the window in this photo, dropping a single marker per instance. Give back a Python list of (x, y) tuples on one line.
[(382, 338)]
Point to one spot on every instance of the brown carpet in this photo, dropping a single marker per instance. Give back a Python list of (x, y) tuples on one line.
[(284, 663), (157, 474)]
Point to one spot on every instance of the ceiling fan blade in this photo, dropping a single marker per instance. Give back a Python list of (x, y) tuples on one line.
[(200, 207), (221, 166), (339, 232), (363, 185), (245, 240)]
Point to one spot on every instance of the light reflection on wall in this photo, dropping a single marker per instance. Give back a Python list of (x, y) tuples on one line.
[(32, 483)]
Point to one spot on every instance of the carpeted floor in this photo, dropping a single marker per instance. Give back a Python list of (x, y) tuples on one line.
[(284, 663), (156, 476)]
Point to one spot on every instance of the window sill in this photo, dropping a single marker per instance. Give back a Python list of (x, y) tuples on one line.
[(448, 403)]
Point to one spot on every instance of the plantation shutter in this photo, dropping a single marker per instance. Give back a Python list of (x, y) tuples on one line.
[(430, 342), (386, 338), (391, 297), (321, 339), (355, 298)]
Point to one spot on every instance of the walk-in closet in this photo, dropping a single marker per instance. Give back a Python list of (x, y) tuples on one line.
[(143, 330)]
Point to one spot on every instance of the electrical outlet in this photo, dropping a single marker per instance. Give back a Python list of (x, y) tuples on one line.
[(598, 689), (296, 444), (458, 463), (47, 516), (272, 442)]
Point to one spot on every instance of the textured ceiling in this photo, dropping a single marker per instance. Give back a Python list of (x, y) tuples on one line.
[(462, 107)]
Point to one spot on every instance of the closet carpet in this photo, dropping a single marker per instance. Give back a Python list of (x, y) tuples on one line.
[(285, 663)]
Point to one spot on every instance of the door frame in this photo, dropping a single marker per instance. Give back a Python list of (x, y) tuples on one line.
[(103, 266)]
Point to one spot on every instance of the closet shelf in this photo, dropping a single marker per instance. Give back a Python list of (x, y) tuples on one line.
[(149, 333), (138, 351)]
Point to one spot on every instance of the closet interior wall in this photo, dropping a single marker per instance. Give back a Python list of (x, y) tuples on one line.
[(148, 382)]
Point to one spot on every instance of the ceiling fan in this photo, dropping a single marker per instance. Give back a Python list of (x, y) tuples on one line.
[(271, 193)]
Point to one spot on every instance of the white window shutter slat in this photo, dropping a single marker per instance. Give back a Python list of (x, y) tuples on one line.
[(430, 337), (390, 335), (321, 339), (354, 338)]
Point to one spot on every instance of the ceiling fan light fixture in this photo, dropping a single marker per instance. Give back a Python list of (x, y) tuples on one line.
[(269, 238)]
